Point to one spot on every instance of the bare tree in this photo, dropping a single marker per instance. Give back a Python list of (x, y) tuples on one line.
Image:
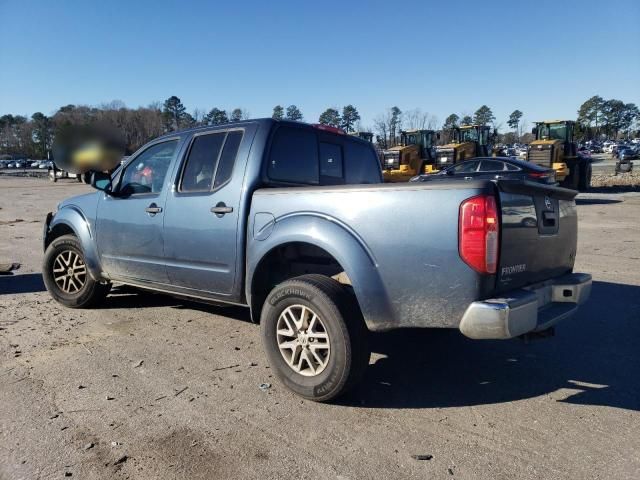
[(381, 128)]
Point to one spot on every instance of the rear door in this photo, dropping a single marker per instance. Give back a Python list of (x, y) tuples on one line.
[(538, 233), (201, 220)]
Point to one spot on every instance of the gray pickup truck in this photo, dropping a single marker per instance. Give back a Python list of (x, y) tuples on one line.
[(294, 222)]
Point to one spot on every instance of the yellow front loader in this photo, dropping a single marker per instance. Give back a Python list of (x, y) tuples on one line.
[(413, 156), (467, 142), (554, 147)]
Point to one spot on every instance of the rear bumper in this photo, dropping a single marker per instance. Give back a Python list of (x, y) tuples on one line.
[(528, 309)]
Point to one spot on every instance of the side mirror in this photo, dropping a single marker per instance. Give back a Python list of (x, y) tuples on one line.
[(101, 181), (437, 136)]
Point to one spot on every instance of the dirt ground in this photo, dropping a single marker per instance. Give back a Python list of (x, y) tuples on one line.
[(151, 387)]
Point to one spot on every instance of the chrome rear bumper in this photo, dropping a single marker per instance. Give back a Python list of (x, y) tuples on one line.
[(537, 307)]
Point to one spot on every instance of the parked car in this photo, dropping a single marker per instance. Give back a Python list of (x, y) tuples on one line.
[(293, 221), (627, 153), (493, 168)]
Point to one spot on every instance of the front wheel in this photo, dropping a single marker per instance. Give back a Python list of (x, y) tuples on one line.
[(315, 337), (65, 275), (585, 177)]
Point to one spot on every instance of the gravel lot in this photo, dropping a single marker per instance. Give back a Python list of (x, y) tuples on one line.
[(152, 387)]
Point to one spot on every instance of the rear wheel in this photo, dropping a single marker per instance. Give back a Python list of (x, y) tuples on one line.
[(65, 275), (315, 337)]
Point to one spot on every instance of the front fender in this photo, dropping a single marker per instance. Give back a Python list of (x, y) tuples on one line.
[(72, 217), (337, 239)]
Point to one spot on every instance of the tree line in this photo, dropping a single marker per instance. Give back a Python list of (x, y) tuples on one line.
[(32, 137)]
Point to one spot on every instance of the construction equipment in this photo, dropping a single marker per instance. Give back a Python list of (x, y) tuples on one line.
[(413, 156), (468, 141), (368, 136), (554, 147)]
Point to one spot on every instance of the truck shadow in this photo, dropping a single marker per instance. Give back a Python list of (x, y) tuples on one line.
[(592, 360), (24, 283)]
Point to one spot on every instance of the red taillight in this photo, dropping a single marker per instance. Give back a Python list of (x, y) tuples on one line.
[(538, 174), (478, 233)]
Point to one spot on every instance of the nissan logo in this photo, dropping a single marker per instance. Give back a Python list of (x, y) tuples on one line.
[(547, 203)]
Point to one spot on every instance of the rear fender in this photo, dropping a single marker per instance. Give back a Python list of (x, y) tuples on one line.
[(73, 218), (337, 239)]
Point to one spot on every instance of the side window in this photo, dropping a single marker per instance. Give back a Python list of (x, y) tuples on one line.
[(511, 168), (228, 158), (361, 164), (146, 172), (200, 165), (330, 163), (466, 167), (491, 166), (294, 156)]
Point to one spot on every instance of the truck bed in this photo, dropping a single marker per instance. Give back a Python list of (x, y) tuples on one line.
[(409, 234)]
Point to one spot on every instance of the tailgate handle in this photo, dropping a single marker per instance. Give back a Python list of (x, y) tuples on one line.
[(549, 219)]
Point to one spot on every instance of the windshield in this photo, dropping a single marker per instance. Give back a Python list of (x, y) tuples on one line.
[(417, 138), (466, 135), (554, 131)]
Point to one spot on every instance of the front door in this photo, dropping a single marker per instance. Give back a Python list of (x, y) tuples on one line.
[(129, 223), (201, 220)]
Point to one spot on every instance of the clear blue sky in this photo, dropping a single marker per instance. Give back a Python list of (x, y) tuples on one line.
[(542, 57)]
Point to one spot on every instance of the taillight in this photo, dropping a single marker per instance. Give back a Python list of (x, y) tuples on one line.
[(478, 233), (549, 176)]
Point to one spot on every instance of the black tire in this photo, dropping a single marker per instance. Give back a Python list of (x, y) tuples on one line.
[(585, 177), (343, 323), (89, 292), (572, 180)]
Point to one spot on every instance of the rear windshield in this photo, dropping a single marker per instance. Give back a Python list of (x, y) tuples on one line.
[(301, 155)]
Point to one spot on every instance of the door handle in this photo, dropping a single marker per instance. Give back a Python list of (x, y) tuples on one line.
[(498, 177), (221, 209), (468, 178), (153, 209)]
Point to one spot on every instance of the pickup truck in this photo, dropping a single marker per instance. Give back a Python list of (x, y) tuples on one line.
[(294, 222)]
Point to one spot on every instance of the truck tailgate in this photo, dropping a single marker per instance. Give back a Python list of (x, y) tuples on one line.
[(538, 233)]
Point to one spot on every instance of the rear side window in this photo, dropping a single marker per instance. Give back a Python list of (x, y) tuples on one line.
[(294, 156), (511, 168), (330, 163), (228, 158), (201, 163), (491, 166), (361, 164)]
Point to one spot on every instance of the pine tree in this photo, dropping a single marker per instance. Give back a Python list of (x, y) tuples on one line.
[(330, 117), (350, 117), (174, 113), (278, 112), (451, 122), (236, 115), (483, 116), (293, 113), (216, 117)]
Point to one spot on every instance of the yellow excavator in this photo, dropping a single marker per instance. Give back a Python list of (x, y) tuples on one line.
[(467, 142), (554, 147), (413, 156)]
